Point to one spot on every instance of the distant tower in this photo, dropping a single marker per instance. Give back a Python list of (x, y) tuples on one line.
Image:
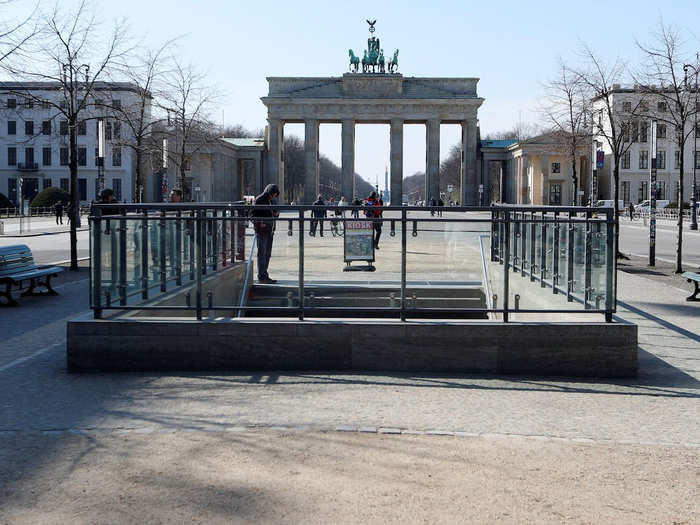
[(387, 192)]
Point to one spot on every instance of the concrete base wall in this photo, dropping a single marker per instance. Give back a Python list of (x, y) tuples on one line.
[(556, 349)]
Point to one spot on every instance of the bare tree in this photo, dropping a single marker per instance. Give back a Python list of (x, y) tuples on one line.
[(613, 127), (15, 34), (663, 80), (145, 71), (187, 102), (565, 108), (73, 59)]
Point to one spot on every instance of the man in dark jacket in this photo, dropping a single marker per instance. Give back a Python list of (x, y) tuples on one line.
[(318, 216), (58, 210), (264, 229)]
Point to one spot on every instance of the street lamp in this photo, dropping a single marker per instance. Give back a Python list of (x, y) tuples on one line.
[(694, 196)]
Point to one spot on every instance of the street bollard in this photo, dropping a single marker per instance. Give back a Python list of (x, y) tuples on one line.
[(392, 300), (290, 299), (517, 301)]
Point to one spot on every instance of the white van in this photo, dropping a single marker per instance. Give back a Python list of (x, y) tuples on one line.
[(610, 204), (644, 205)]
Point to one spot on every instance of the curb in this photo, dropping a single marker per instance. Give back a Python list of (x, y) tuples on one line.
[(20, 236)]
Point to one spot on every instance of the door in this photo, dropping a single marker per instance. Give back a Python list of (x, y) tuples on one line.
[(30, 188)]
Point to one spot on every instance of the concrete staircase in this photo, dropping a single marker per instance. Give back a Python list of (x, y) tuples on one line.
[(369, 296)]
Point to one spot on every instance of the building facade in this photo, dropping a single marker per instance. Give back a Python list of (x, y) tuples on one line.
[(34, 140), (637, 109)]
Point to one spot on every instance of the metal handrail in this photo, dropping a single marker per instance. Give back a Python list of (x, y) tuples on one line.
[(247, 277)]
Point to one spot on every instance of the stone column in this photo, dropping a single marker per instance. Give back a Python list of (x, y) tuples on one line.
[(432, 160), (524, 193), (469, 183), (544, 184), (275, 160), (310, 160), (396, 146), (348, 159), (258, 174)]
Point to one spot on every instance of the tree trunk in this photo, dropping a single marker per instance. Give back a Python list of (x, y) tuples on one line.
[(679, 247), (616, 178), (139, 180), (75, 201)]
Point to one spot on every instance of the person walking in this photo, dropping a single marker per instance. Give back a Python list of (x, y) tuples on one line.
[(631, 210), (441, 203), (372, 212), (432, 204), (356, 202), (317, 217), (264, 226), (58, 210)]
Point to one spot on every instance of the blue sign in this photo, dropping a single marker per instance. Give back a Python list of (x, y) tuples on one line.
[(599, 159)]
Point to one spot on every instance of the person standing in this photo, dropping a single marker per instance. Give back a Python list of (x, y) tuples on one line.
[(441, 204), (317, 217), (372, 212), (432, 204), (631, 209), (264, 226), (58, 210), (356, 202)]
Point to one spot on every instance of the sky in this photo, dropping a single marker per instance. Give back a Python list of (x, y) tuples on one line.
[(512, 46)]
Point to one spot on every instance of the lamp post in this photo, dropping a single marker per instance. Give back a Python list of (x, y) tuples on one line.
[(694, 196)]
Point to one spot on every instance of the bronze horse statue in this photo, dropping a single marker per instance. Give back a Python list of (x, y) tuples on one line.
[(354, 61)]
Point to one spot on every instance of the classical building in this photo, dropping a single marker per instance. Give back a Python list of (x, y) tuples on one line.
[(638, 108), (34, 140), (535, 171)]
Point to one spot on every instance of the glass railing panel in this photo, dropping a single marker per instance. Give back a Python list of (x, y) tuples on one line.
[(579, 253)]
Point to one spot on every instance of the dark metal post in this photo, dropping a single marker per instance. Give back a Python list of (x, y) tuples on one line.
[(587, 292), (570, 259), (555, 253), (161, 253), (506, 266), (122, 260), (224, 237), (144, 254), (652, 198), (403, 264), (178, 249), (610, 251), (192, 233), (494, 235), (214, 240), (96, 262), (533, 236), (523, 244), (301, 265), (543, 252), (201, 263)]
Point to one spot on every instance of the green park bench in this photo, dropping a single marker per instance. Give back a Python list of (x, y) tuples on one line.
[(17, 269), (695, 279)]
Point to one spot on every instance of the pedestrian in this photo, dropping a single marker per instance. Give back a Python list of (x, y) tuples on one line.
[(432, 204), (176, 195), (372, 212), (356, 202), (58, 210), (441, 203), (631, 209), (317, 217), (264, 225)]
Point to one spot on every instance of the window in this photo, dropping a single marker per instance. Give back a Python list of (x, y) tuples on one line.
[(676, 160), (82, 189), (64, 184), (697, 160), (29, 127), (643, 131), (64, 156), (11, 103), (12, 127), (108, 130), (661, 107), (45, 104), (556, 167), (660, 189), (28, 103), (117, 129), (555, 194), (644, 106), (46, 127), (12, 156), (661, 131), (116, 104), (28, 156), (117, 187), (82, 128), (626, 160), (643, 160), (63, 104), (116, 156), (626, 132), (627, 107), (661, 160), (97, 156), (82, 157), (99, 102), (626, 192), (46, 156), (643, 191), (64, 127), (46, 183), (697, 132)]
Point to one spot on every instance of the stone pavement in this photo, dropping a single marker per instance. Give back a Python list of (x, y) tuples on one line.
[(38, 226), (330, 447)]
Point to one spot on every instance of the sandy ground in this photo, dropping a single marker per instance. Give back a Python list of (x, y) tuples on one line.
[(338, 477)]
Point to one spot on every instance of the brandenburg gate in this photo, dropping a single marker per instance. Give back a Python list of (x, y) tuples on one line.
[(376, 94)]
